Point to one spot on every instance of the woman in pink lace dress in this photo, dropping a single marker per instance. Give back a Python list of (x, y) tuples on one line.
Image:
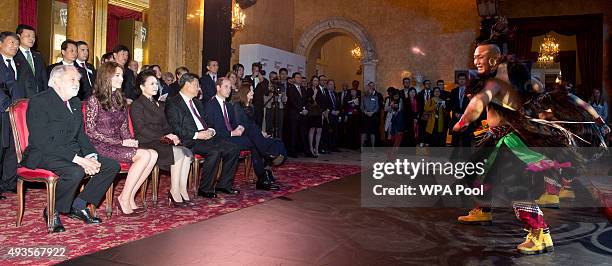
[(106, 126)]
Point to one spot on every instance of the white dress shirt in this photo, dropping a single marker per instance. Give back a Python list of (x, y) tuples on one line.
[(13, 66), (195, 118)]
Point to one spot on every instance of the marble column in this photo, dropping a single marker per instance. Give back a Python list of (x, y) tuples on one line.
[(81, 21), (369, 71), (10, 15)]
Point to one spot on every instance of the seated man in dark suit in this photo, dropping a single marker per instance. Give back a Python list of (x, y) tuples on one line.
[(190, 123), (207, 81), (69, 56), (34, 77), (251, 138), (58, 143)]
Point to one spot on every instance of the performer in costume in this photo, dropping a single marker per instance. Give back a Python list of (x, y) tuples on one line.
[(511, 99)]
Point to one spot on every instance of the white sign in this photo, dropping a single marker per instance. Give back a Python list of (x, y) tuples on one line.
[(271, 58)]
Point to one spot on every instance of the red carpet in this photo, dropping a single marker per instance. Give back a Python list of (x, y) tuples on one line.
[(80, 239)]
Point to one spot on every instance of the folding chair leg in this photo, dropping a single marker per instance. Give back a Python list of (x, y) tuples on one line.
[(50, 203), (20, 202), (155, 183), (248, 165), (143, 193), (109, 201), (196, 177)]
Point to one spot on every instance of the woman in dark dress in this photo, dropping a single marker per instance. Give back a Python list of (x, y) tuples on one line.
[(315, 116), (106, 125), (152, 131), (245, 116), (411, 116)]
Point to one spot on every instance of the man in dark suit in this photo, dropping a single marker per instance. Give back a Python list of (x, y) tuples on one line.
[(58, 143), (208, 80), (260, 89), (81, 62), (331, 131), (69, 56), (190, 123), (459, 102), (121, 55), (10, 90), (174, 89), (296, 114), (248, 138), (34, 78)]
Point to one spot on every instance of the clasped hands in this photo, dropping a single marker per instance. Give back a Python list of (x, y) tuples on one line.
[(90, 165)]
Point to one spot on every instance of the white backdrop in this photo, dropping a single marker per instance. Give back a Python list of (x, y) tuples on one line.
[(271, 58)]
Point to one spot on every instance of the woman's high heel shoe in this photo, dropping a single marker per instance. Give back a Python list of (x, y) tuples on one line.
[(173, 203), (189, 203), (120, 210)]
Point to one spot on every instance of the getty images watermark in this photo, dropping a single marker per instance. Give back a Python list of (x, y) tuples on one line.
[(456, 177), (411, 169)]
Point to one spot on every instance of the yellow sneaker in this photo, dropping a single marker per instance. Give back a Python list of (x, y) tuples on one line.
[(548, 201), (476, 217), (537, 241), (567, 194)]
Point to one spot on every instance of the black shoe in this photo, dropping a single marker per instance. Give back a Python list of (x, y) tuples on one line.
[(324, 152), (209, 195), (270, 176), (84, 216), (57, 223), (2, 197), (227, 190), (266, 186)]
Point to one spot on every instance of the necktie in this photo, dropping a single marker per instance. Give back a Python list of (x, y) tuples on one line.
[(214, 78), (426, 95), (67, 106), (196, 114), (331, 95), (87, 72), (461, 97), (30, 61), (10, 68), (227, 123)]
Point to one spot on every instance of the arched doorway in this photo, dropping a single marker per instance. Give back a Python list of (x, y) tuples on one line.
[(317, 35)]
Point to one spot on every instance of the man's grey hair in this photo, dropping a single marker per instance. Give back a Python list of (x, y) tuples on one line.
[(59, 72)]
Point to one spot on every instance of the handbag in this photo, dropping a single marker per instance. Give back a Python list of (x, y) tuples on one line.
[(166, 140)]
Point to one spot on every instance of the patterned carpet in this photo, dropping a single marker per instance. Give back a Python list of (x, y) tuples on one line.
[(80, 239)]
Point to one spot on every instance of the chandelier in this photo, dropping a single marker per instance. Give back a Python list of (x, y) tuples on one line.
[(356, 53), (549, 50), (238, 18)]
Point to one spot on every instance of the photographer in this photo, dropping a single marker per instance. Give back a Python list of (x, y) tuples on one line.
[(260, 83), (436, 106)]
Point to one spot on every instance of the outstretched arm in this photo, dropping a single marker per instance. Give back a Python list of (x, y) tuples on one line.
[(477, 105)]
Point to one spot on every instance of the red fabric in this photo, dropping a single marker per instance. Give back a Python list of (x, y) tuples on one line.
[(27, 13), (243, 154), (530, 214), (27, 173), (125, 166), (115, 14)]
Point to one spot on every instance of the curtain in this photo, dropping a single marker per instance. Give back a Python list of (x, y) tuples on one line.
[(27, 13), (589, 38), (567, 60), (115, 14)]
